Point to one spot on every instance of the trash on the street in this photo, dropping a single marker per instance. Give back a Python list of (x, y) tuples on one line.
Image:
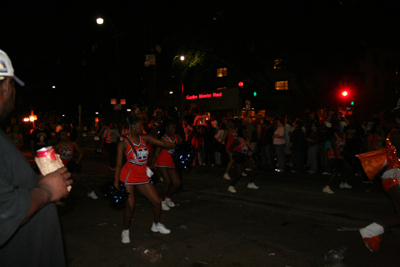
[(271, 254), (335, 255), (149, 255)]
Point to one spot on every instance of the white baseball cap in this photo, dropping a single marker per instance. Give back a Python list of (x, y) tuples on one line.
[(6, 68)]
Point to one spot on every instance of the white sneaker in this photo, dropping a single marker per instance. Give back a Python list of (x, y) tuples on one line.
[(160, 228), (169, 202), (231, 189), (125, 237), (244, 174), (164, 206), (252, 186), (327, 190), (345, 185), (226, 176), (92, 195)]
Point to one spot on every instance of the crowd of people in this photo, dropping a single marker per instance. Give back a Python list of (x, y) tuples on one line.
[(309, 144)]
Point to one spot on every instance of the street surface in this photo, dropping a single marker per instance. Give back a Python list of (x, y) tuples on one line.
[(287, 222)]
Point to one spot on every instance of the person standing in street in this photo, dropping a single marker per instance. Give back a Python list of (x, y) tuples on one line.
[(279, 142), (111, 137), (40, 137), (30, 231), (66, 149), (372, 233), (241, 149), (134, 174), (165, 164)]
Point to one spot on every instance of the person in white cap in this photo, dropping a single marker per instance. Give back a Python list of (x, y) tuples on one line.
[(30, 231)]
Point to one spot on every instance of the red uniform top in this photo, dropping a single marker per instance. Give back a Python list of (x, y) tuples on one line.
[(243, 147), (339, 145), (134, 170), (232, 134), (66, 152), (165, 157)]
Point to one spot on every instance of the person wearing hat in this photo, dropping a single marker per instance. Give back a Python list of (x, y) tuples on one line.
[(30, 231)]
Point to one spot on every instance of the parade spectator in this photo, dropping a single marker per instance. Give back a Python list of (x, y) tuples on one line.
[(111, 138), (16, 137), (209, 144), (30, 231), (297, 146), (279, 142), (220, 150), (200, 119), (267, 146), (354, 135), (187, 129), (375, 138), (40, 137), (313, 140)]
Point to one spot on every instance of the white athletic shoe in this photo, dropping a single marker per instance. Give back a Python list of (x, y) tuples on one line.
[(164, 206), (231, 189), (160, 228), (92, 195), (226, 176), (169, 202), (252, 186), (244, 174), (125, 237), (327, 190), (345, 185)]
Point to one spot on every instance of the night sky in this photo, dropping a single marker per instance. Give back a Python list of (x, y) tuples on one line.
[(58, 42)]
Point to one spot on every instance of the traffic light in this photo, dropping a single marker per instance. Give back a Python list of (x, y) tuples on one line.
[(352, 103), (254, 93), (344, 93), (241, 84)]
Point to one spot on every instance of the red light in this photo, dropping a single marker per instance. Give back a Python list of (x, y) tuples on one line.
[(344, 93), (240, 84)]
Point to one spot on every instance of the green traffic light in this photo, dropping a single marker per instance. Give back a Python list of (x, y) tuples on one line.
[(352, 102), (255, 93)]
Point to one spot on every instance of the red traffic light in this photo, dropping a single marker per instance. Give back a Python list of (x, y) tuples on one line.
[(344, 93), (240, 84)]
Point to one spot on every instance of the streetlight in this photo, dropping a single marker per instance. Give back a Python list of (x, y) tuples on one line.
[(182, 58), (100, 21)]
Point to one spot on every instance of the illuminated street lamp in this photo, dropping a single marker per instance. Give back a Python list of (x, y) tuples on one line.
[(182, 58), (100, 21)]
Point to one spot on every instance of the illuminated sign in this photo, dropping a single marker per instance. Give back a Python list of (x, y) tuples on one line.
[(202, 96)]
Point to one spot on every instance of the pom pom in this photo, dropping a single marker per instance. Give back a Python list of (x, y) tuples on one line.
[(184, 155), (116, 197)]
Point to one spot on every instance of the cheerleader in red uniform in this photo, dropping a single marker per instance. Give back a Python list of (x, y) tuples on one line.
[(134, 174), (241, 151), (371, 234), (66, 150), (228, 138), (165, 164), (16, 137)]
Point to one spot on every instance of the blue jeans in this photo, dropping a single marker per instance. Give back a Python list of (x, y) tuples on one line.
[(280, 151)]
